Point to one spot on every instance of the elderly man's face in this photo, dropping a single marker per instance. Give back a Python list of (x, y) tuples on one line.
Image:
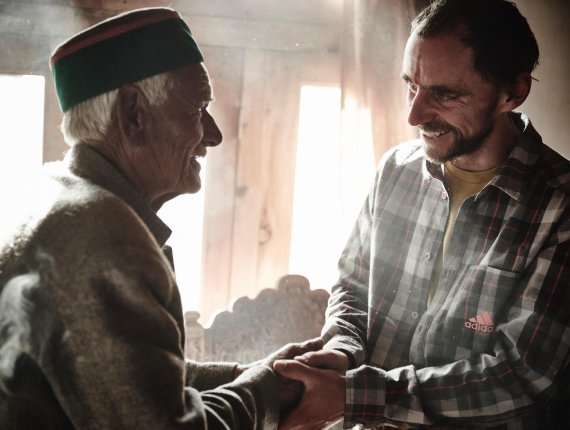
[(182, 130), (453, 106)]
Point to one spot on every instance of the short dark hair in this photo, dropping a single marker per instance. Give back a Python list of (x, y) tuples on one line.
[(503, 43)]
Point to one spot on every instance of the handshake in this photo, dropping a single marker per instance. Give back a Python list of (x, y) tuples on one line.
[(311, 384)]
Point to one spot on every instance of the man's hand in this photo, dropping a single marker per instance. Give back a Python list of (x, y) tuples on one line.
[(286, 352), (323, 400), (290, 391), (326, 359), (292, 350)]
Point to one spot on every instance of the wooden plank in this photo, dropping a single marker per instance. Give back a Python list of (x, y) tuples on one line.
[(313, 11), (250, 177), (250, 237), (225, 67), (287, 74), (280, 134), (266, 162), (257, 34), (27, 20)]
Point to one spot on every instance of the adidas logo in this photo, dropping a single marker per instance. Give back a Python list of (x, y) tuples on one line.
[(482, 323)]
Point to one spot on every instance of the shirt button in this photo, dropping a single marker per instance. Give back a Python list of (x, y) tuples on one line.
[(415, 315), (444, 195), (427, 256)]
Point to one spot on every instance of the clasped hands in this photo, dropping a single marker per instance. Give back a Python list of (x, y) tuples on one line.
[(311, 383)]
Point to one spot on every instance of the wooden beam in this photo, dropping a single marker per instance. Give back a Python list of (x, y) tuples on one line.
[(28, 22), (225, 67), (313, 11), (270, 35)]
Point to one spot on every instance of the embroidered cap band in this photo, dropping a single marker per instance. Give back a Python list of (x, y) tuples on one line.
[(121, 50)]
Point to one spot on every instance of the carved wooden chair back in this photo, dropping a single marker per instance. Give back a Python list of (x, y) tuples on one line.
[(256, 327)]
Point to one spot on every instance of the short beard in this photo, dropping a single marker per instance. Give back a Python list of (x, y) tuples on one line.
[(462, 146), (465, 146)]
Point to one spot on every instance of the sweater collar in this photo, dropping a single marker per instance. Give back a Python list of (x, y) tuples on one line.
[(85, 161)]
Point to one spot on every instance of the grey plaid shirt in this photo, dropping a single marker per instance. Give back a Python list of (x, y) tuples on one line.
[(492, 346)]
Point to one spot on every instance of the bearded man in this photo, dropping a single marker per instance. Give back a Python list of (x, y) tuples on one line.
[(452, 306)]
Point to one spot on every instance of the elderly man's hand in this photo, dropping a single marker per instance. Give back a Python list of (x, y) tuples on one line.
[(290, 391), (323, 399), (292, 350)]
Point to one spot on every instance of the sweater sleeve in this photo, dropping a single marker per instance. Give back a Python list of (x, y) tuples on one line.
[(113, 357), (207, 375)]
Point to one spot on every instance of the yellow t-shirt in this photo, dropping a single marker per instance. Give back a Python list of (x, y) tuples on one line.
[(461, 185)]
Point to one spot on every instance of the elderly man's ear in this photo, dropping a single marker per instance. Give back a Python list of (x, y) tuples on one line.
[(131, 109)]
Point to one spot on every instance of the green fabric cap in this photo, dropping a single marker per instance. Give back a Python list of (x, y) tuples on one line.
[(86, 66)]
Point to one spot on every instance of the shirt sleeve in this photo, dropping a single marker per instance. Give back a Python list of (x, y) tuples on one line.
[(346, 322), (523, 372)]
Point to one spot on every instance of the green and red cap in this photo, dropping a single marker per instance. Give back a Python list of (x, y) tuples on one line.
[(120, 50)]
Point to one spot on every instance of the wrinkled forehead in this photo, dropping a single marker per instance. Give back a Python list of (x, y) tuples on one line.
[(204, 88), (193, 82)]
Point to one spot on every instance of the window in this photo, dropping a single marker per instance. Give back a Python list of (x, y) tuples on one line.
[(185, 216), (21, 127), (334, 169), (317, 234)]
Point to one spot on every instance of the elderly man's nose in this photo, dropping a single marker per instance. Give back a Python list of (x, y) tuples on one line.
[(212, 134)]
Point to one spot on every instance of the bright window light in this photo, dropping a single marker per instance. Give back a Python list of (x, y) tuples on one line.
[(317, 236), (185, 216), (21, 126)]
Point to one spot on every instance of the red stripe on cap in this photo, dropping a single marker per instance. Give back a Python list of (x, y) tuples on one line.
[(110, 28)]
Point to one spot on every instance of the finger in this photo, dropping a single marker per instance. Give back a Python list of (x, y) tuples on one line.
[(313, 358), (306, 346), (325, 359), (294, 370), (293, 349)]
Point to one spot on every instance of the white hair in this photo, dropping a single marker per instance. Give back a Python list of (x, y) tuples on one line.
[(89, 120)]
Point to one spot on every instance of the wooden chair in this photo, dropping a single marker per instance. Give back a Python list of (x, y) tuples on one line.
[(256, 327)]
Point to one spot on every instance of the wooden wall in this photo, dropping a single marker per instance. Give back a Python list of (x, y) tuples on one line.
[(259, 53)]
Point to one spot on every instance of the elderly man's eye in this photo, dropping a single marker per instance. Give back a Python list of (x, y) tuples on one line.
[(201, 107), (411, 87), (197, 110)]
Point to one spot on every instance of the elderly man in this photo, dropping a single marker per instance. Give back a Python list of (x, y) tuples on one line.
[(91, 327), (452, 307)]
